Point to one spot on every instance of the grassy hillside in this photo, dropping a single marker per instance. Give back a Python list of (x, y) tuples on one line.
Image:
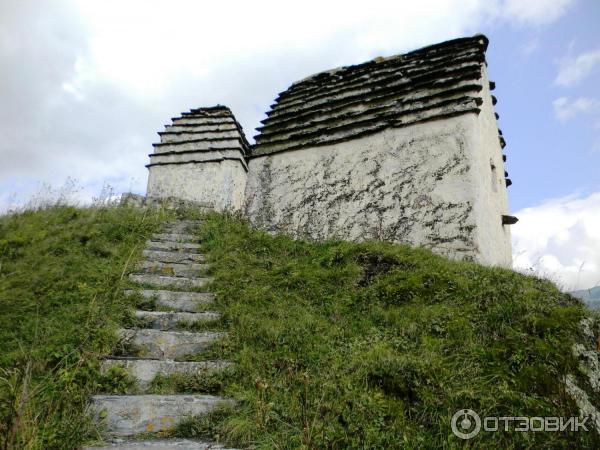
[(61, 273), (373, 345), (336, 345)]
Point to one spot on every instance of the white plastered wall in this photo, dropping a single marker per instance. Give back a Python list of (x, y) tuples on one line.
[(427, 184), (219, 184), (491, 199), (407, 185)]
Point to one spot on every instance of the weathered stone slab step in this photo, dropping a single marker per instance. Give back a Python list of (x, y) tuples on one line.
[(169, 281), (173, 257), (128, 415), (179, 227), (162, 320), (174, 269), (145, 370), (174, 237), (176, 300), (161, 444), (183, 222), (187, 247), (167, 344)]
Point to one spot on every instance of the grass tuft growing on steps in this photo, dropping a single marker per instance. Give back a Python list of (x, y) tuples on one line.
[(342, 345)]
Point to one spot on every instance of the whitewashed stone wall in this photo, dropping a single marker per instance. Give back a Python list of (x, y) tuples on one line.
[(219, 183), (428, 184), (491, 198)]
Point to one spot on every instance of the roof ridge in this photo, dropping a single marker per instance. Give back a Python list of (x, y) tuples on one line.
[(479, 37), (435, 81)]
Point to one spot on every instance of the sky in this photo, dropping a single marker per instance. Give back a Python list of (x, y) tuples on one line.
[(86, 84)]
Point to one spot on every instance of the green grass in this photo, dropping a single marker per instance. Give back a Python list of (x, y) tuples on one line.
[(336, 345), (61, 276), (341, 345)]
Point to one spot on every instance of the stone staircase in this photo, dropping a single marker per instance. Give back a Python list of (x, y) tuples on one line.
[(170, 274)]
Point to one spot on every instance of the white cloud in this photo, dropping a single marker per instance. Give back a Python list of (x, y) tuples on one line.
[(147, 44), (86, 84), (560, 239), (565, 109), (572, 70), (536, 12)]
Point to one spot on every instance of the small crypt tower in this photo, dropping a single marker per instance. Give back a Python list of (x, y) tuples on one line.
[(201, 159)]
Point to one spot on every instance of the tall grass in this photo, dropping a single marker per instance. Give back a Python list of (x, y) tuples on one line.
[(336, 345), (61, 273), (342, 345)]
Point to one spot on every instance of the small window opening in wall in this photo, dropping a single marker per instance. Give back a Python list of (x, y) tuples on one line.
[(494, 176)]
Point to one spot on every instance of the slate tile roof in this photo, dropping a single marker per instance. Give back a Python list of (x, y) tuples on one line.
[(438, 81), (201, 135)]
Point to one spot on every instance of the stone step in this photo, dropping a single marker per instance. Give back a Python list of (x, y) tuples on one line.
[(168, 281), (162, 320), (173, 257), (186, 247), (159, 344), (183, 222), (174, 237), (145, 370), (174, 269), (175, 300), (179, 227), (128, 415), (161, 444)]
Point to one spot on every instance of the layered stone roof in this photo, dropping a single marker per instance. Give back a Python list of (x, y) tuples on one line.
[(206, 134), (438, 81)]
